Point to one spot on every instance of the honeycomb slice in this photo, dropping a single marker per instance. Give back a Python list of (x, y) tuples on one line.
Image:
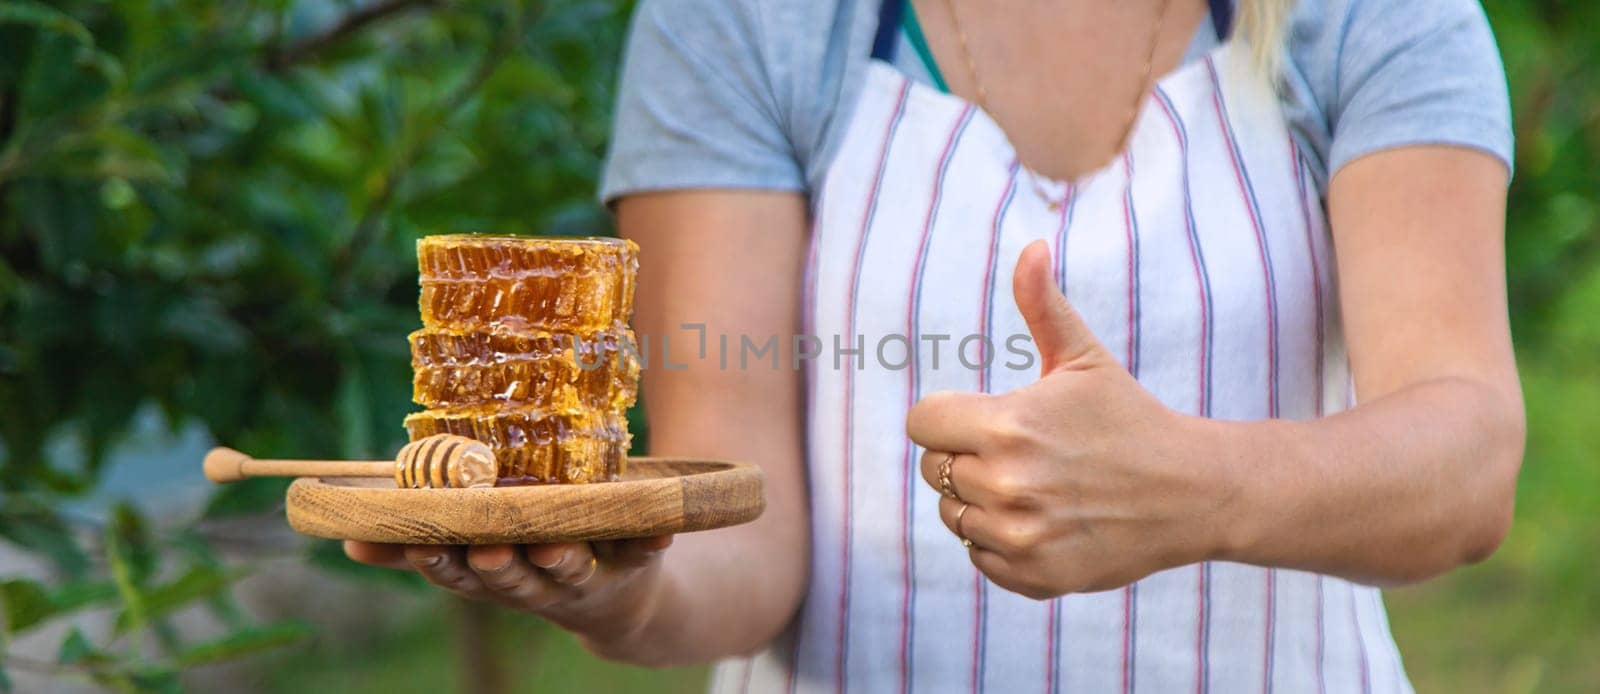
[(526, 283), (536, 446), (554, 371)]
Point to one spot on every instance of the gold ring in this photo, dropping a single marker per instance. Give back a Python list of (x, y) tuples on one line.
[(947, 486), (959, 514), (594, 567)]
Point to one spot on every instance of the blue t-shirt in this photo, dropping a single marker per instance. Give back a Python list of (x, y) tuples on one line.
[(757, 93)]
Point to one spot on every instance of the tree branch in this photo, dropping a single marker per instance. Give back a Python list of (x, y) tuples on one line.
[(477, 643), (308, 47), (9, 97)]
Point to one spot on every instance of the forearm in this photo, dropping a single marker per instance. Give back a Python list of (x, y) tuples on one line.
[(1420, 477), (1397, 490), (728, 262)]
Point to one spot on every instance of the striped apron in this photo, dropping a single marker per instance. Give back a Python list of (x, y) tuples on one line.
[(1201, 257)]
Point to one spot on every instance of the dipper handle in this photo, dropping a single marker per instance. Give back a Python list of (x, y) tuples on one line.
[(228, 465), (441, 460)]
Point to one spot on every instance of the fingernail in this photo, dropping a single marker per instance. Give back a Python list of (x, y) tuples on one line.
[(559, 560)]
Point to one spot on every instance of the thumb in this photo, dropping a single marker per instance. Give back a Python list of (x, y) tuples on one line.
[(1063, 338)]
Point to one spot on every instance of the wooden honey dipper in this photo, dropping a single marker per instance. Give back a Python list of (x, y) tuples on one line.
[(441, 460)]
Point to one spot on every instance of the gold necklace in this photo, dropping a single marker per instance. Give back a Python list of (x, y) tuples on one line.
[(1133, 111)]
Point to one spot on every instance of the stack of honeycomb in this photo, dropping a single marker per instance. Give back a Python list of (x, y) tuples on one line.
[(525, 346)]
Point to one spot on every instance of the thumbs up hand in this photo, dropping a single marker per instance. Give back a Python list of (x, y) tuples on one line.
[(1080, 482)]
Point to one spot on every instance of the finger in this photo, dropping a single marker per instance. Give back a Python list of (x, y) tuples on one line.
[(1002, 572), (972, 479), (507, 573), (446, 566), (929, 466), (1063, 338), (569, 564), (1016, 536), (632, 553), (976, 524), (388, 556), (545, 556), (964, 468), (949, 421)]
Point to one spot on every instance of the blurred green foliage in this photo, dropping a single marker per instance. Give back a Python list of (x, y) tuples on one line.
[(1528, 619), (536, 657), (211, 205)]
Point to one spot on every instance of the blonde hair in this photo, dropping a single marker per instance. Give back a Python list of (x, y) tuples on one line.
[(1262, 24)]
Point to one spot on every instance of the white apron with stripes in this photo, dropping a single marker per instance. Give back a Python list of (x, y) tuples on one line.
[(1201, 257)]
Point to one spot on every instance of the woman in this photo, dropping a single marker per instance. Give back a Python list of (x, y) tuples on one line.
[(1222, 227)]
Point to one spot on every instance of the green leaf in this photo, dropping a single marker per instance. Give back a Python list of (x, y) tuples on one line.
[(128, 154), (246, 642), (25, 604), (197, 583), (44, 17), (75, 648), (109, 152), (39, 530), (80, 594), (28, 604)]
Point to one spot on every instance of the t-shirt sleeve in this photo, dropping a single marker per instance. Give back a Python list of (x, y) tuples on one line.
[(1417, 72), (695, 107)]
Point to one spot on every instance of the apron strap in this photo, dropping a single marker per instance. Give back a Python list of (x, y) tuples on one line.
[(888, 29), (1222, 18), (889, 12)]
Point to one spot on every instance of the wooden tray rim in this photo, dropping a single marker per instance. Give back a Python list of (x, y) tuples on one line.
[(689, 501)]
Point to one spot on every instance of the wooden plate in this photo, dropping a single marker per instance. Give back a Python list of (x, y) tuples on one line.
[(657, 496)]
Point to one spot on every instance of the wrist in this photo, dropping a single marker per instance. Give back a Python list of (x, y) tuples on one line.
[(1231, 483), (628, 635)]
